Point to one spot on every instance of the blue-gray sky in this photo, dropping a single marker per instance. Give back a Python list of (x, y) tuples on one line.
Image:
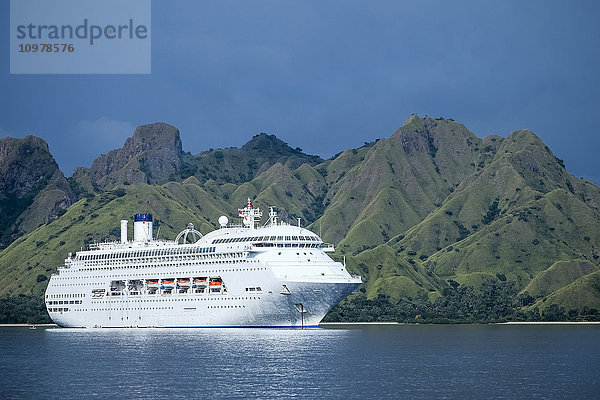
[(330, 75)]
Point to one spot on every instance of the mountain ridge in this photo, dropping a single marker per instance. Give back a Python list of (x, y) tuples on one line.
[(28, 200), (430, 206)]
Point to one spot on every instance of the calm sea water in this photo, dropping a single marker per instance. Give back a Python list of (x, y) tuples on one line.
[(450, 361)]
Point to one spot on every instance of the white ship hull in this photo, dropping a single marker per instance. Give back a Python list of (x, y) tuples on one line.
[(276, 276), (305, 307)]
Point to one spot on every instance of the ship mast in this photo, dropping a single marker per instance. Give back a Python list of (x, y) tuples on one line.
[(272, 221), (249, 214)]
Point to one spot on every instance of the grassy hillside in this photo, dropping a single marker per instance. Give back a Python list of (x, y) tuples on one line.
[(559, 275), (33, 191), (28, 262), (431, 217), (525, 241), (582, 294), (239, 165)]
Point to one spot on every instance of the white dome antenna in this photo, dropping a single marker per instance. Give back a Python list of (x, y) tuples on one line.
[(223, 221)]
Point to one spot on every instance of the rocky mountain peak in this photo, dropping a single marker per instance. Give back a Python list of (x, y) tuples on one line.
[(25, 146), (33, 191), (149, 156), (24, 164), (156, 136), (414, 123)]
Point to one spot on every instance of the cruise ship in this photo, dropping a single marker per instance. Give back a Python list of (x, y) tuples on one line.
[(240, 275)]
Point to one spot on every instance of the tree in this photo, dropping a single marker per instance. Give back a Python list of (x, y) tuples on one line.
[(525, 299), (23, 309), (554, 313)]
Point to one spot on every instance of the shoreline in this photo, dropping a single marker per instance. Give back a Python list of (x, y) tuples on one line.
[(474, 323), (549, 323), (328, 324), (361, 323)]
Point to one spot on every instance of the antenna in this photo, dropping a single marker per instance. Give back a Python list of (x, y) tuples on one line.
[(298, 222), (157, 233), (249, 214), (272, 217)]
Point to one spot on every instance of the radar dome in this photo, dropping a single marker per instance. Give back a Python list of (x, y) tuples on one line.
[(223, 220)]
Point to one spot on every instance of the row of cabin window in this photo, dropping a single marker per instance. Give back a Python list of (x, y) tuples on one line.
[(162, 258), (64, 295), (158, 260), (158, 308), (148, 253), (56, 302), (147, 308), (266, 238), (302, 245), (186, 300), (123, 275)]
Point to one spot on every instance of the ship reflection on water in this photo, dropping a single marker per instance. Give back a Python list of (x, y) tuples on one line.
[(399, 361)]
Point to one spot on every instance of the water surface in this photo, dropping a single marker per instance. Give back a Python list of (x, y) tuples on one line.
[(405, 361)]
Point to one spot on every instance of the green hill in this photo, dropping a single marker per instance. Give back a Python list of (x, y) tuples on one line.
[(33, 191), (559, 275), (28, 261), (432, 211), (582, 294), (239, 165)]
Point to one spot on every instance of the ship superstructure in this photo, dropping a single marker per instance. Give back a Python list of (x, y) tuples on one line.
[(275, 275)]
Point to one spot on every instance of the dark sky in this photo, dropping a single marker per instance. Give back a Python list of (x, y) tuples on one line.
[(330, 75)]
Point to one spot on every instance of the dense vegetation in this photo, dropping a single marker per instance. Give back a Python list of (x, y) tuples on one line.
[(496, 301), (23, 309)]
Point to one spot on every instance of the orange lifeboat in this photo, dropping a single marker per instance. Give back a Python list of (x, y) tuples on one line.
[(167, 283), (184, 282)]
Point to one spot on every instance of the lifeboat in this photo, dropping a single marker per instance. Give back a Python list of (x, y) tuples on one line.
[(199, 282), (168, 283), (183, 282), (152, 282), (216, 285)]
